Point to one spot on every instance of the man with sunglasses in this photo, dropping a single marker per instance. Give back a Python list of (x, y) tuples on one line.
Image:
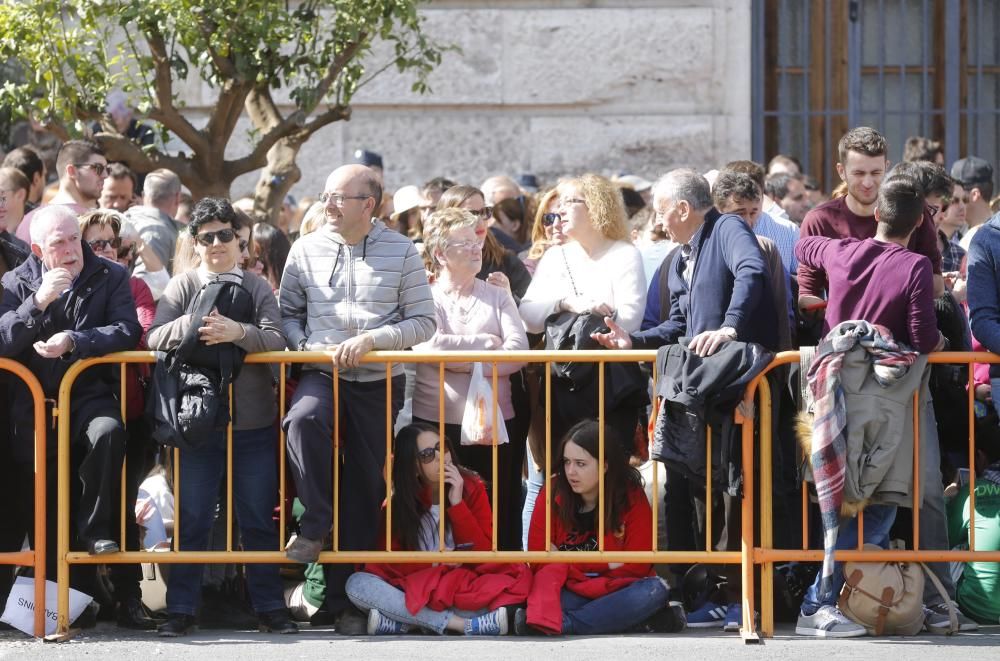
[(82, 170), (350, 287)]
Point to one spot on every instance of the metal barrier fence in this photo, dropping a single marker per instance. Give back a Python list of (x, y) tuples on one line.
[(389, 358), (751, 554), (35, 557), (766, 556)]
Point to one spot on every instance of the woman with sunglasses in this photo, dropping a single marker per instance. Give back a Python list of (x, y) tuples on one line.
[(500, 266), (543, 230), (400, 598), (595, 598), (214, 227), (101, 230), (472, 315)]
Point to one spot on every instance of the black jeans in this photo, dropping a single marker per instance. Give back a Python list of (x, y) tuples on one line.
[(309, 428)]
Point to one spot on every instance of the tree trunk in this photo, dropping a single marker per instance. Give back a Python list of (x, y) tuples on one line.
[(276, 179)]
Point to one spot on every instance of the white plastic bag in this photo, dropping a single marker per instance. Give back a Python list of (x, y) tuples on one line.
[(20, 610), (478, 420)]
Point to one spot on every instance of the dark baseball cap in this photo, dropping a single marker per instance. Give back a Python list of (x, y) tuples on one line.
[(368, 158), (972, 170)]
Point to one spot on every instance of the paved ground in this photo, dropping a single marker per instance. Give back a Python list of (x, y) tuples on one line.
[(108, 644)]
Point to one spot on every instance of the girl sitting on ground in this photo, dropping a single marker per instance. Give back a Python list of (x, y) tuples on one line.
[(464, 599)]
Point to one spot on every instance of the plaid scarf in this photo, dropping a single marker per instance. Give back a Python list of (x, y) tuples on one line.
[(890, 362)]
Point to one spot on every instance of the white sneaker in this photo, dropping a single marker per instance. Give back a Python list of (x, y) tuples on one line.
[(828, 622)]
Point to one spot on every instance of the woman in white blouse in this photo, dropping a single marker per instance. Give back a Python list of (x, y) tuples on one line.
[(596, 271)]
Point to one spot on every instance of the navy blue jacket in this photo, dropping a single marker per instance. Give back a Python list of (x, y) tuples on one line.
[(730, 287), (984, 287), (99, 314)]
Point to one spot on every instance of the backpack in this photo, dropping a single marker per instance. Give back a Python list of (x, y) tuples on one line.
[(189, 391), (887, 598)]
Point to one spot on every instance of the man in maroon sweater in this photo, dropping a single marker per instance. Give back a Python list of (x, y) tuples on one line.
[(862, 165), (878, 279)]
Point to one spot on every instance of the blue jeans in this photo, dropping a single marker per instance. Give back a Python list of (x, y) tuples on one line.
[(255, 494), (616, 612), (878, 522), (368, 591)]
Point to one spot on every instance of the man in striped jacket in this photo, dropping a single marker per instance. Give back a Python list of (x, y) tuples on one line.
[(350, 287)]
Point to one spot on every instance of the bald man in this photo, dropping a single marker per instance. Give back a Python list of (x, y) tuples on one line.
[(350, 287), (64, 304)]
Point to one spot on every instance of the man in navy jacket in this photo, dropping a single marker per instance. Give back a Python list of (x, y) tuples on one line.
[(62, 304), (720, 289)]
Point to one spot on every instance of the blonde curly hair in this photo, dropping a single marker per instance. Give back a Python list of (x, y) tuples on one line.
[(441, 224), (604, 204)]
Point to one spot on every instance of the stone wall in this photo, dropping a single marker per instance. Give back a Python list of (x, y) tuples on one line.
[(554, 88)]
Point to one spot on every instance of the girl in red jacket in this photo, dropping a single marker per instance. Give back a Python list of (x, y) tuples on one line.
[(593, 598), (465, 599)]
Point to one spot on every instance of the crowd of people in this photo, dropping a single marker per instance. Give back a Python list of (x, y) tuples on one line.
[(718, 270)]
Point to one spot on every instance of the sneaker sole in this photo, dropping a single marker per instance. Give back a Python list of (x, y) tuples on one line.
[(823, 633), (704, 625), (176, 634)]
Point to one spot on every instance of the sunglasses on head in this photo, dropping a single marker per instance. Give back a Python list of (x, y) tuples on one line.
[(208, 238), (550, 219), (427, 455)]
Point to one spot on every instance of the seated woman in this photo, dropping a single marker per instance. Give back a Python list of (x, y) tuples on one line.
[(472, 315), (594, 598), (214, 227), (402, 597)]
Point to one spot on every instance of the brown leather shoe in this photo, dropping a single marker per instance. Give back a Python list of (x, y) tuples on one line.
[(302, 549)]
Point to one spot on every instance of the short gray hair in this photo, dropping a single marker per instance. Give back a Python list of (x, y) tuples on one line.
[(48, 217), (685, 184), (160, 185)]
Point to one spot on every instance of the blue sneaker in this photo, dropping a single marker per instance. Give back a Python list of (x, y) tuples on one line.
[(734, 618), (382, 625), (493, 623), (708, 616)]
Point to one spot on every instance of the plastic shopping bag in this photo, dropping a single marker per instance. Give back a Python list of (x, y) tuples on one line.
[(478, 421)]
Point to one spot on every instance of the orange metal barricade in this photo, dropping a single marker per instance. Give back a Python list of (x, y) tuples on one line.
[(390, 358), (35, 557), (766, 556)]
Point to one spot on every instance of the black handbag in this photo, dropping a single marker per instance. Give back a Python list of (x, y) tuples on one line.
[(569, 330)]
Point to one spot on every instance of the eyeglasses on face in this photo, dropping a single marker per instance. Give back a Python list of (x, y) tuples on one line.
[(470, 247), (98, 168), (566, 201), (98, 245), (427, 455), (338, 199), (224, 236), (550, 219)]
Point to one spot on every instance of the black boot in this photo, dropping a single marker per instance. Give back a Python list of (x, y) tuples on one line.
[(276, 621), (177, 624), (131, 615)]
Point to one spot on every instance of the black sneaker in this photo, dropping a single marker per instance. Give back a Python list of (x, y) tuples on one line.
[(521, 626), (177, 624), (669, 619), (351, 622), (276, 621)]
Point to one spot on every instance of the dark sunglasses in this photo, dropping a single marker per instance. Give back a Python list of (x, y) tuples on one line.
[(98, 245), (208, 238), (427, 455), (550, 219)]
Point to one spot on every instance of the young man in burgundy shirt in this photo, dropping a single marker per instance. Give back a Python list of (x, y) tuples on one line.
[(862, 165)]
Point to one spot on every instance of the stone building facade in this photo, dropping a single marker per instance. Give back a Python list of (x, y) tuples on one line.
[(554, 87)]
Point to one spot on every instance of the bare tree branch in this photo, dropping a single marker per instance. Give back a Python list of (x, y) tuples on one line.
[(336, 67), (223, 64), (227, 111), (117, 147), (164, 110), (333, 114)]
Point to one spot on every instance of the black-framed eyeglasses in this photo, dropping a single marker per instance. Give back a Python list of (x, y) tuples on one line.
[(98, 168), (98, 245), (934, 209), (243, 244), (208, 238), (338, 198), (427, 455), (483, 213), (550, 219)]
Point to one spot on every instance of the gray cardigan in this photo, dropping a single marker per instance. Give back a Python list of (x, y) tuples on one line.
[(253, 389)]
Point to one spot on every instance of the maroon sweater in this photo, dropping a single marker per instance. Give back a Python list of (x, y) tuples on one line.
[(834, 220), (881, 283)]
